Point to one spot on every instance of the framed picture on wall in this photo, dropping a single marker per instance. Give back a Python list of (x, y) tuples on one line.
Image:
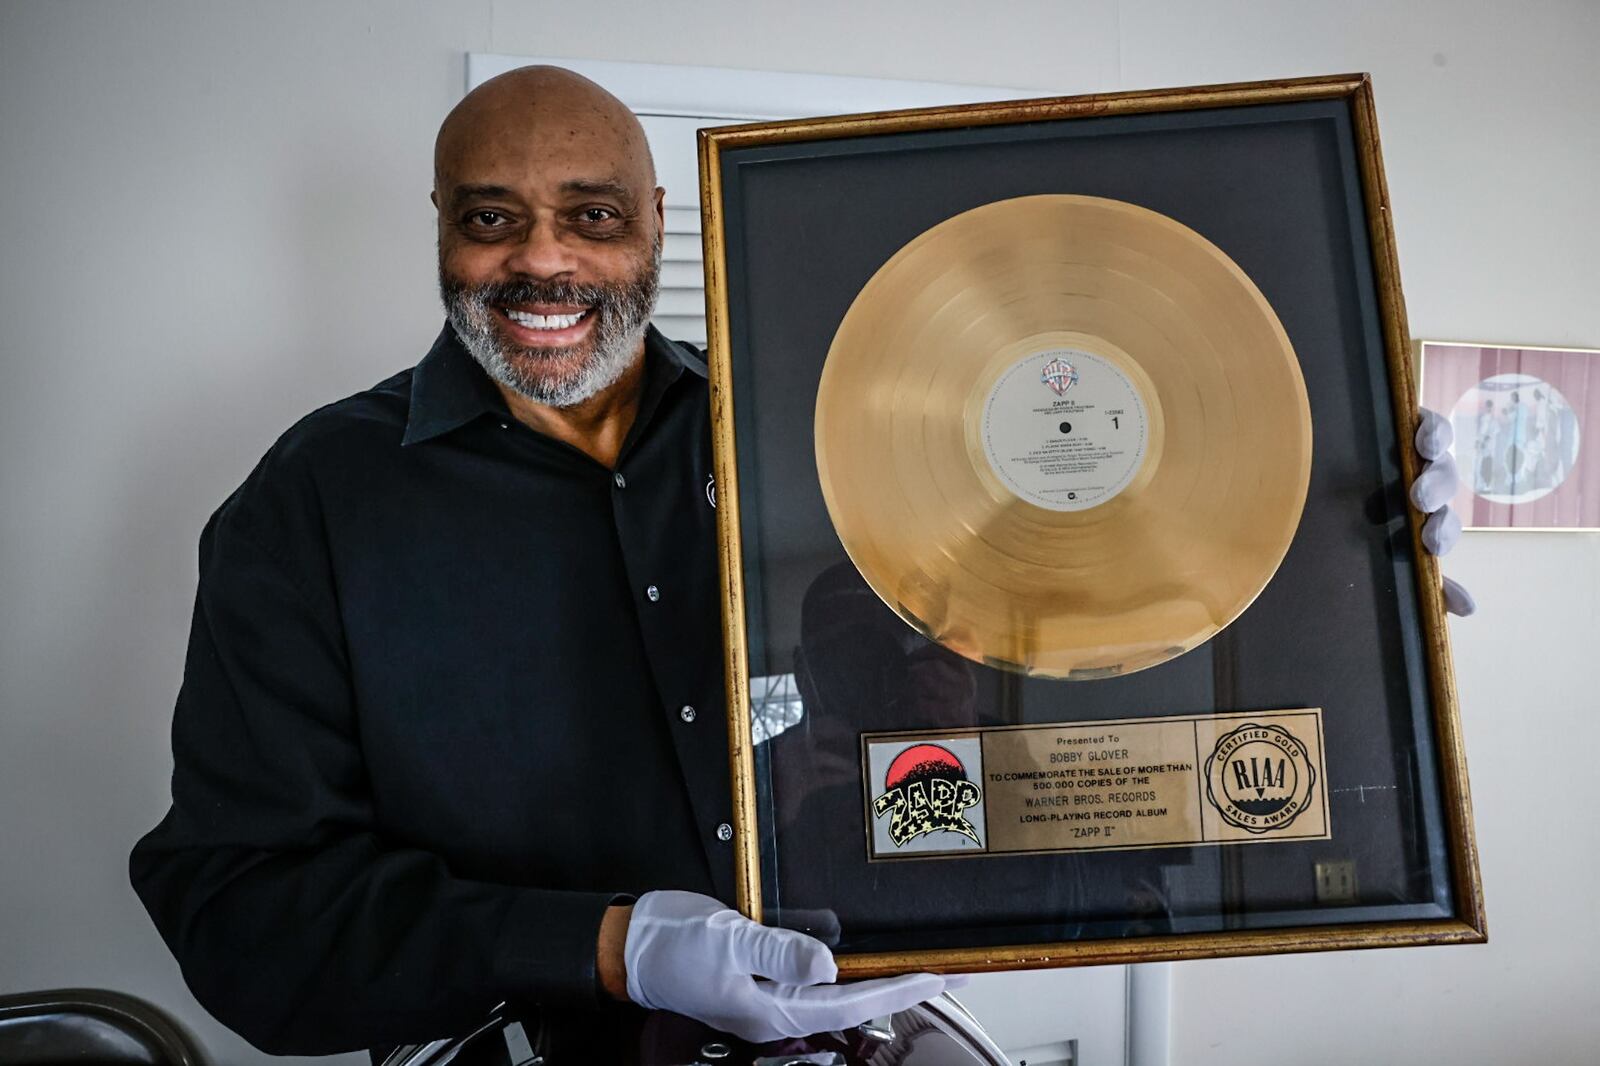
[(1074, 612), (1527, 432)]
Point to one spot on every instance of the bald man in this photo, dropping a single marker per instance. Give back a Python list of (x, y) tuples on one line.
[(450, 729)]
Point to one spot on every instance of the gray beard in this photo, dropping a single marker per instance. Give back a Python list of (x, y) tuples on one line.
[(621, 316)]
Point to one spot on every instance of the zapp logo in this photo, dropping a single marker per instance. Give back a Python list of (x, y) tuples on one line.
[(926, 791)]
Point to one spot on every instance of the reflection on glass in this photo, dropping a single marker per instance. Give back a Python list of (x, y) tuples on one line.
[(775, 705)]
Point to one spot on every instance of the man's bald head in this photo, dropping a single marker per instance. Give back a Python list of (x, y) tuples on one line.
[(550, 232), (543, 107)]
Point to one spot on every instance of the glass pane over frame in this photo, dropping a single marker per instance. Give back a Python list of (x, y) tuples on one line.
[(1278, 189)]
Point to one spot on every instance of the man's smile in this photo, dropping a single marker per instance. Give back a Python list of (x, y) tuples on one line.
[(547, 325)]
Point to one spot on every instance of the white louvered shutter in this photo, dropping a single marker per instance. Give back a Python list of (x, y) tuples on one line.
[(681, 310)]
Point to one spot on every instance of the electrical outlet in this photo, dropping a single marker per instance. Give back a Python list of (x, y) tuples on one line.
[(1336, 882)]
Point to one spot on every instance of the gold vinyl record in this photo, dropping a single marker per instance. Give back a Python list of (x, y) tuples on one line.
[(1063, 435)]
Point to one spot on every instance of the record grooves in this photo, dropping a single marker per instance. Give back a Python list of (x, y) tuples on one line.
[(1063, 435)]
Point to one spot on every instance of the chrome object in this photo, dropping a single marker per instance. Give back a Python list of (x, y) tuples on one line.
[(939, 1032)]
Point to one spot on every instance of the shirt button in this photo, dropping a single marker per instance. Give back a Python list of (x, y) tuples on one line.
[(653, 593), (724, 832), (621, 481), (687, 713), (504, 426)]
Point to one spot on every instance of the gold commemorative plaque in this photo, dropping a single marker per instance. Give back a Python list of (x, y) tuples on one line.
[(1042, 613), (1132, 783)]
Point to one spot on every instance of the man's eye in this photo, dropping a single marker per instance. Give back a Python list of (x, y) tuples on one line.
[(487, 219), (598, 214)]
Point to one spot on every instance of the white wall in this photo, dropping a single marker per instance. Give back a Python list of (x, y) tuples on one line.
[(213, 217)]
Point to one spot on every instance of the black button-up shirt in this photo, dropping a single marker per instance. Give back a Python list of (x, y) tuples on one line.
[(433, 716)]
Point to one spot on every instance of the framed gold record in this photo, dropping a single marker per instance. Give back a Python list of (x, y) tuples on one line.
[(1074, 611)]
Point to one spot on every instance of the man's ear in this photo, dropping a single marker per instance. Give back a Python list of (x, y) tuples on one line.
[(661, 209), (433, 198)]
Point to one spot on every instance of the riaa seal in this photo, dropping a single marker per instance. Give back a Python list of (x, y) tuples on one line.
[(1260, 777)]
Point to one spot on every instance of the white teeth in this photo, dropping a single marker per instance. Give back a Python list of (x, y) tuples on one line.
[(522, 318)]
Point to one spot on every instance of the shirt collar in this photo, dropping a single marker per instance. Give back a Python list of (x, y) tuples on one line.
[(449, 388)]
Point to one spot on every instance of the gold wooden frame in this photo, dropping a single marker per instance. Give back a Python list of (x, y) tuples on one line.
[(1356, 90)]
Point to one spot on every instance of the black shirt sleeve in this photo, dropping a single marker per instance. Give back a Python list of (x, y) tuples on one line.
[(294, 921)]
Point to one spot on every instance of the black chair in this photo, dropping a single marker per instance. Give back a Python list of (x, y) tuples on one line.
[(78, 1026)]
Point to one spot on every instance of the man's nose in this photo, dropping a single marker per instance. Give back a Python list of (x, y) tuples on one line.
[(544, 251)]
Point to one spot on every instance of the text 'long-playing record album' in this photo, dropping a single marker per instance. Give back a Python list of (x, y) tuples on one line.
[(1074, 608)]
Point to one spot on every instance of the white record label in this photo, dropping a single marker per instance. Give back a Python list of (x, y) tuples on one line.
[(1065, 429)]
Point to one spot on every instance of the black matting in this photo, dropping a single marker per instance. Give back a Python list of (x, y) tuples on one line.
[(1277, 188)]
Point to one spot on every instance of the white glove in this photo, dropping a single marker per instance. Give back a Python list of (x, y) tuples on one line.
[(689, 954), (1431, 494)]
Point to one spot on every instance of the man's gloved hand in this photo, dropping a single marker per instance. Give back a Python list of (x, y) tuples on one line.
[(689, 954), (1431, 494)]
